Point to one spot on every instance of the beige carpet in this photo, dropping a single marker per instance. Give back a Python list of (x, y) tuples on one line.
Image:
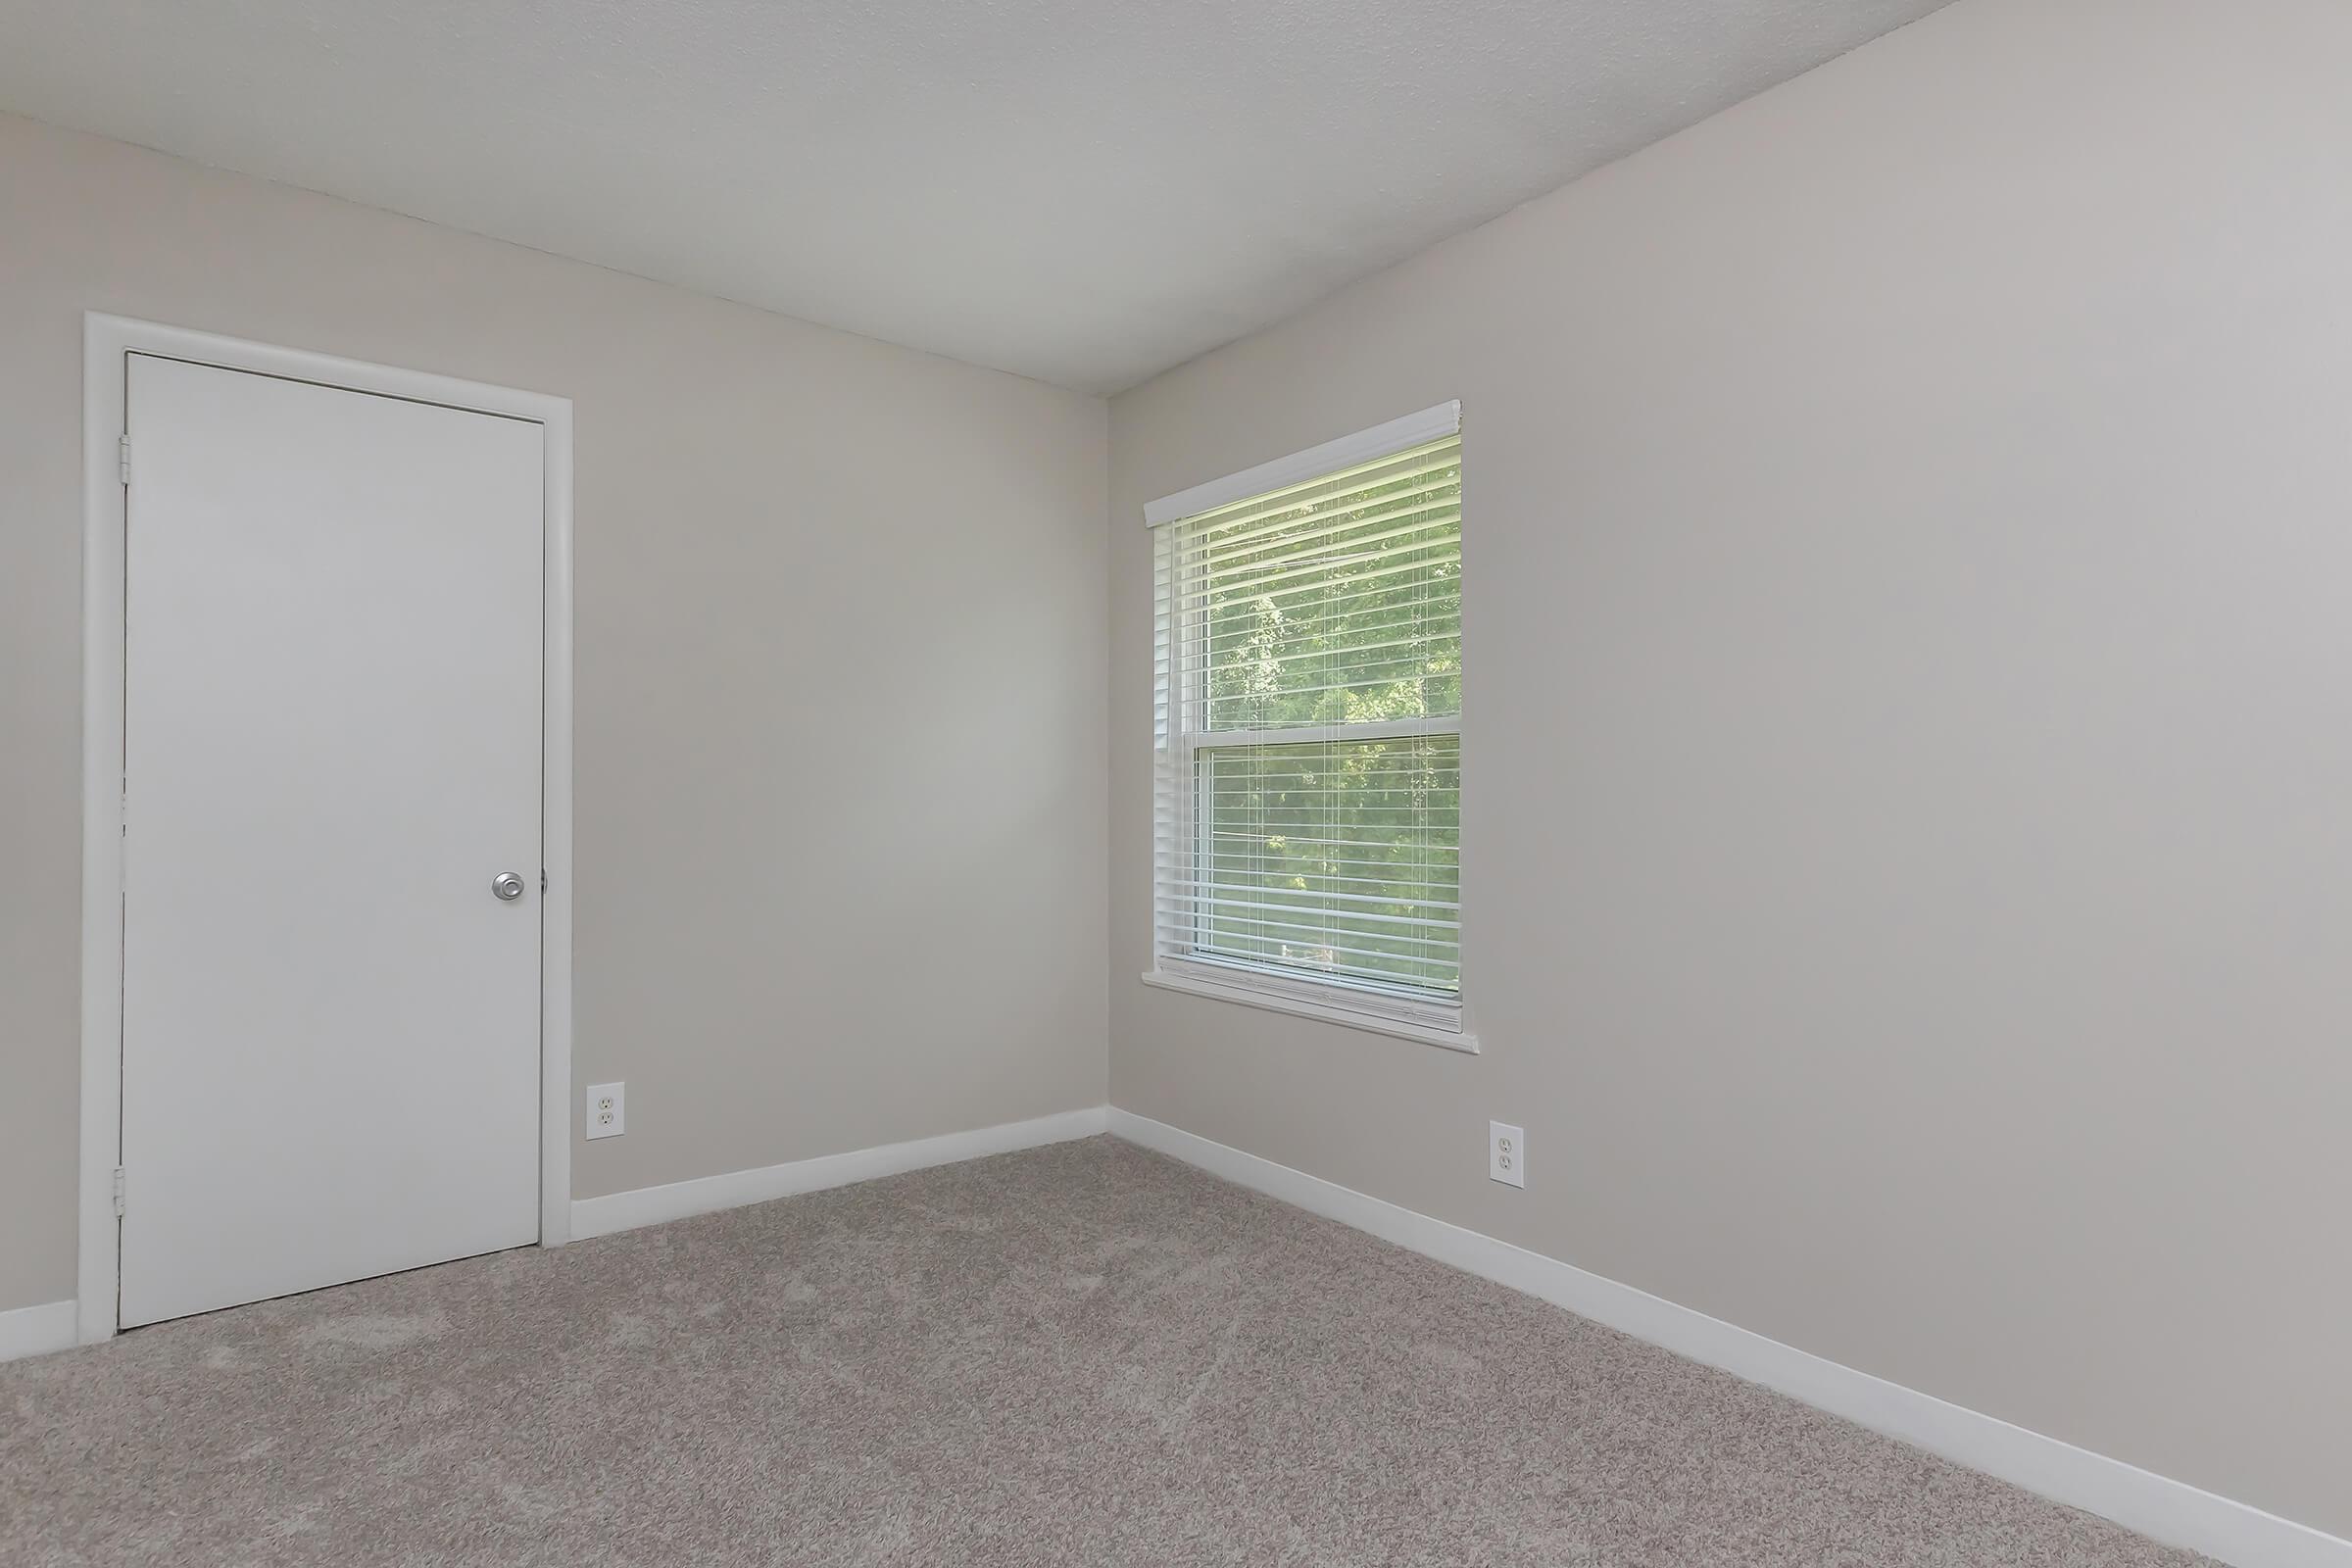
[(1083, 1354)]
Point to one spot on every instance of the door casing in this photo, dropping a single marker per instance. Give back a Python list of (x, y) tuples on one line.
[(106, 340)]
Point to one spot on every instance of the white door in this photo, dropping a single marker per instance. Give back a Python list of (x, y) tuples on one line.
[(330, 1019)]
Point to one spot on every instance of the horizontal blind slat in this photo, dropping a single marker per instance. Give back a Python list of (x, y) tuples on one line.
[(1403, 469), (1431, 512)]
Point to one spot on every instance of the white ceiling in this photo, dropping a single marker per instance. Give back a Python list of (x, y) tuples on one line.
[(1084, 191)]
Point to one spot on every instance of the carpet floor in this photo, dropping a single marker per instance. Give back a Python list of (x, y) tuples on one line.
[(1080, 1354)]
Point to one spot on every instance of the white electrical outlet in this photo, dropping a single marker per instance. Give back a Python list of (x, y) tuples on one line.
[(1507, 1155), (608, 1109)]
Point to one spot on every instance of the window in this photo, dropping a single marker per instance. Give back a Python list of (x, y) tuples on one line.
[(1308, 728)]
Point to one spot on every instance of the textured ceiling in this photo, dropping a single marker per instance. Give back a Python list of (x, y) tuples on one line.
[(1084, 191)]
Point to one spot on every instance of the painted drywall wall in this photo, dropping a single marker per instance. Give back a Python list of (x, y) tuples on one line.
[(1908, 864), (839, 760)]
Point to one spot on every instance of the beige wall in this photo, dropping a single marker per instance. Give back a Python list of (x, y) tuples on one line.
[(1909, 645), (841, 695)]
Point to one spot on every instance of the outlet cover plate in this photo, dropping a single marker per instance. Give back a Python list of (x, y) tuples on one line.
[(607, 1110), (1507, 1155)]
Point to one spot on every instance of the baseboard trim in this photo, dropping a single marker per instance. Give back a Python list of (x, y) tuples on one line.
[(651, 1206), (2170, 1511), (37, 1330)]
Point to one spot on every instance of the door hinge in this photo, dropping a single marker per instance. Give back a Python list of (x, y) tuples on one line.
[(124, 448), (117, 1192), (543, 879)]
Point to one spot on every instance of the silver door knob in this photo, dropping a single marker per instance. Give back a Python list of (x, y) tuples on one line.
[(507, 885)]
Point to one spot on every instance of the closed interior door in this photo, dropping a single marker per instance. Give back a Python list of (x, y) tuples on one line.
[(330, 1017)]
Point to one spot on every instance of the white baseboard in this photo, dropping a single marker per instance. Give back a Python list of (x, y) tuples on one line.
[(2170, 1511), (37, 1330), (651, 1206)]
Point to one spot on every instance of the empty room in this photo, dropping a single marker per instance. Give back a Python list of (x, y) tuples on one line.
[(1419, 782)]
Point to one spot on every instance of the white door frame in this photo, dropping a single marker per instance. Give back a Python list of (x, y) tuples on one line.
[(106, 339)]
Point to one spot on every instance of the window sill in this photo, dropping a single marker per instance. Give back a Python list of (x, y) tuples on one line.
[(1301, 1008)]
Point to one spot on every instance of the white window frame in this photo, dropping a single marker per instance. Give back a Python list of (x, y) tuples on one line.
[(1355, 1004)]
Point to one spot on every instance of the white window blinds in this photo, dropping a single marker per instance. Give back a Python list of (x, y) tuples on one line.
[(1308, 824)]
